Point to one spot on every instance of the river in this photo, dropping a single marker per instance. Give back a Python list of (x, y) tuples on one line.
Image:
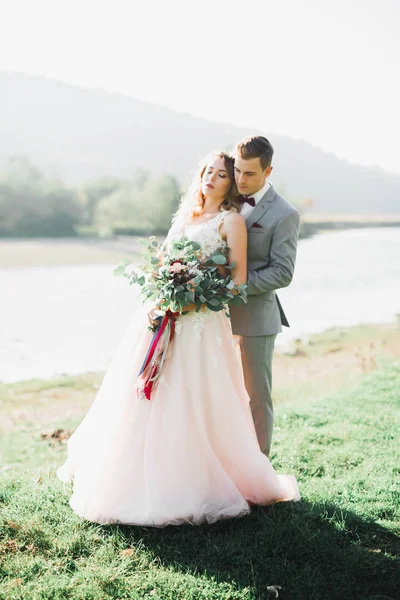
[(69, 319)]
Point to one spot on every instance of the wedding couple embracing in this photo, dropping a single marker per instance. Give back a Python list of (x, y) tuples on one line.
[(198, 450)]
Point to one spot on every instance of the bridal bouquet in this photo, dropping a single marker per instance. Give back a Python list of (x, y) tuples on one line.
[(179, 277), (176, 280)]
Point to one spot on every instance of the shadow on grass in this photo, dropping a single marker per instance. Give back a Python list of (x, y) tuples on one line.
[(313, 551)]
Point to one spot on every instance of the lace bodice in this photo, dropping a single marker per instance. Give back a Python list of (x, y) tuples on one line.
[(207, 234)]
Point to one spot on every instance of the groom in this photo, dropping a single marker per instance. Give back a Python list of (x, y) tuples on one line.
[(272, 225)]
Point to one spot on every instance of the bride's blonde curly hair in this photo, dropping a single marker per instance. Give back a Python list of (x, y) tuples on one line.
[(192, 203)]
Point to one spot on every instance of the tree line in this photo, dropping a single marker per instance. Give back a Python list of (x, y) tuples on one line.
[(36, 204), (33, 203)]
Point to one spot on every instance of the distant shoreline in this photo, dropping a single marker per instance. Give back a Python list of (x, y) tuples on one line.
[(84, 250), (353, 219), (313, 223)]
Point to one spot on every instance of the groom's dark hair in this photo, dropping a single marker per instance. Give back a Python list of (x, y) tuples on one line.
[(255, 146)]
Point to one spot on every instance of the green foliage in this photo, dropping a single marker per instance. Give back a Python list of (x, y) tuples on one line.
[(140, 205), (32, 204), (92, 192)]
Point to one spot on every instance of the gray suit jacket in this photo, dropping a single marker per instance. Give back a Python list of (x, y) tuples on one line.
[(271, 256)]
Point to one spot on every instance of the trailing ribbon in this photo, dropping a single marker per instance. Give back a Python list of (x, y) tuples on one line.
[(156, 353)]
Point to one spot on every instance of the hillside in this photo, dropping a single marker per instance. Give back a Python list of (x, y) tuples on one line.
[(81, 134)]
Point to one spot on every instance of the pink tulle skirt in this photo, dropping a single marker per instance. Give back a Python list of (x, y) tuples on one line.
[(190, 454)]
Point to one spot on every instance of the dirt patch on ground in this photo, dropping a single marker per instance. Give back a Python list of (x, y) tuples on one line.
[(59, 435), (327, 364)]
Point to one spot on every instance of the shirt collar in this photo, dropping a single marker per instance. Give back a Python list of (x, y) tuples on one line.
[(258, 195)]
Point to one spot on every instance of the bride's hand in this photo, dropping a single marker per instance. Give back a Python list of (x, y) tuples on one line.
[(189, 307), (152, 314), (222, 270)]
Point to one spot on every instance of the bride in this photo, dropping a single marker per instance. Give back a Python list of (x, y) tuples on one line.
[(191, 453)]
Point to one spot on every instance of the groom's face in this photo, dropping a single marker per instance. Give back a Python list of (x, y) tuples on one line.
[(250, 177)]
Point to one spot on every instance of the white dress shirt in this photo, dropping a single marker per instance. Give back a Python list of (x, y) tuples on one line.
[(246, 208)]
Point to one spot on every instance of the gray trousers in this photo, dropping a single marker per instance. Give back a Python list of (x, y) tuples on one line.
[(257, 368)]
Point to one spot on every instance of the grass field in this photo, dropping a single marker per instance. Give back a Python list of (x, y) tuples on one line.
[(338, 414)]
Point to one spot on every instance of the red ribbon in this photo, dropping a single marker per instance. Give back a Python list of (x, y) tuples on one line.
[(151, 378)]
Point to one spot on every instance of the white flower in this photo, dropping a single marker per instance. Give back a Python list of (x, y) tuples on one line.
[(177, 267), (195, 272)]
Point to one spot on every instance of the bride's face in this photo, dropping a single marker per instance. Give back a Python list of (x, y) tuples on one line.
[(215, 182)]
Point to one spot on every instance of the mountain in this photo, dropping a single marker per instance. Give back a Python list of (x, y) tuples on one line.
[(81, 134)]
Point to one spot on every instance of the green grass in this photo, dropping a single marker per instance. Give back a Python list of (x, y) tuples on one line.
[(339, 542)]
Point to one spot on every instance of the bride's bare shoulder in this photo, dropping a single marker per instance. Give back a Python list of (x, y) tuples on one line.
[(233, 225), (234, 219)]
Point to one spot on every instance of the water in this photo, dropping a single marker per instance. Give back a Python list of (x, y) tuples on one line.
[(56, 320), (344, 278)]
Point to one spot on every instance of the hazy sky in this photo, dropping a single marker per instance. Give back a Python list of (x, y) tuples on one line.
[(326, 71)]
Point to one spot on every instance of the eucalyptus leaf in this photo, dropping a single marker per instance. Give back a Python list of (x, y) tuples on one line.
[(195, 245), (119, 271), (236, 301), (214, 302), (219, 259), (215, 308)]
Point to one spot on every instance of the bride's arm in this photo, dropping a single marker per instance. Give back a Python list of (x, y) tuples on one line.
[(234, 230)]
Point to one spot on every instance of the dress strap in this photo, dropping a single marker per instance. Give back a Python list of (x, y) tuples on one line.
[(219, 219)]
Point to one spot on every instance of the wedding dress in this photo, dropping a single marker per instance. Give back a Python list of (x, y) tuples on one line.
[(190, 454)]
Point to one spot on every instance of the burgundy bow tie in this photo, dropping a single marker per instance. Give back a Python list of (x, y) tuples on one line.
[(243, 199)]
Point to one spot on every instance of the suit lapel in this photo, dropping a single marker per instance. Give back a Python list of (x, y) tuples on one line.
[(261, 208)]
